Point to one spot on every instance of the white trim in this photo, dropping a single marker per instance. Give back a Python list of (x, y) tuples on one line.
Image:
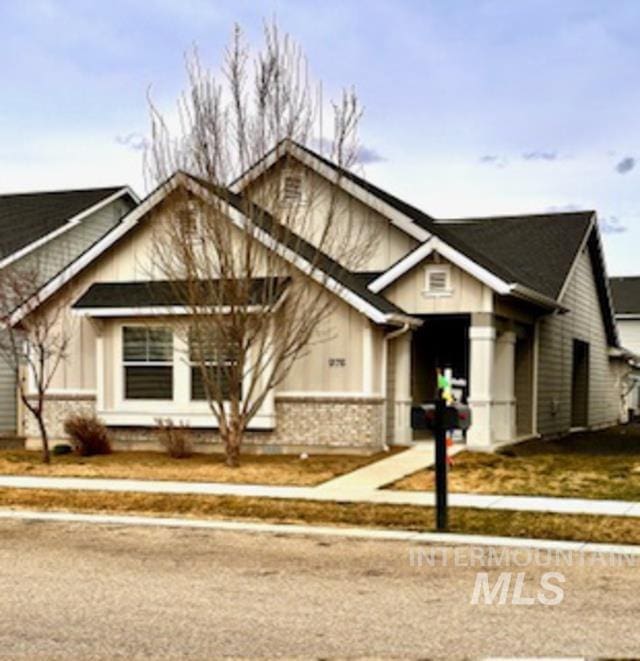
[(367, 309), (69, 224), (436, 244), (324, 394), (630, 316), (400, 220), (61, 392), (156, 311), (127, 223), (205, 420), (239, 220), (367, 359)]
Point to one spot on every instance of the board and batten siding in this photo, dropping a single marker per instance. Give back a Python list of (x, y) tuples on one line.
[(46, 261), (556, 334)]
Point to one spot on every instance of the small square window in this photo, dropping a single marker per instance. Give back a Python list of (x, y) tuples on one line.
[(437, 280)]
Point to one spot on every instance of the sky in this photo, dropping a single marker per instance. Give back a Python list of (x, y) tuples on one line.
[(472, 107)]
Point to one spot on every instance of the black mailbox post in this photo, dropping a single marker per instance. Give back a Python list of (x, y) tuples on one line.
[(440, 439)]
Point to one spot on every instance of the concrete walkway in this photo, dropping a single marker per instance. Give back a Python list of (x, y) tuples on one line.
[(354, 495), (386, 471)]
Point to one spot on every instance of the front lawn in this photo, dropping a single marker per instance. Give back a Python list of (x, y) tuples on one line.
[(281, 470), (602, 465), (542, 525)]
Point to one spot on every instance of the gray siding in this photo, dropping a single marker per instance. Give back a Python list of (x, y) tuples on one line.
[(46, 261), (556, 335)]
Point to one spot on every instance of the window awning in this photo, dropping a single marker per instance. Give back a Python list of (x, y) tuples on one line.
[(165, 297)]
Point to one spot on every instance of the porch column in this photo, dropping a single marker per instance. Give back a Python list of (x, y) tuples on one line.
[(504, 408), (402, 432), (482, 337)]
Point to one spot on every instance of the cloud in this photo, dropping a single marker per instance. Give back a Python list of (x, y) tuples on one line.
[(564, 208), (626, 165), (494, 159), (611, 225), (363, 156), (540, 155), (135, 141), (366, 155)]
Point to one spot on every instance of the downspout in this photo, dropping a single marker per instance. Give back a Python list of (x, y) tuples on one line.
[(390, 336)]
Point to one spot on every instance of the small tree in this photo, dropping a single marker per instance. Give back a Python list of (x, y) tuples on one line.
[(33, 339), (250, 313)]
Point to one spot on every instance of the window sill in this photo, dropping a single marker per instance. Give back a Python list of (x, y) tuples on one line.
[(437, 294)]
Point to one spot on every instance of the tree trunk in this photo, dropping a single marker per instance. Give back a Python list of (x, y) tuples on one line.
[(232, 443), (44, 437)]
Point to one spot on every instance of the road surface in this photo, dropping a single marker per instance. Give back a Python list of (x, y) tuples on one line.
[(90, 591)]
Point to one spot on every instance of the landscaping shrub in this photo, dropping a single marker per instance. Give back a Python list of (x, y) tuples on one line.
[(175, 439), (61, 448), (88, 434)]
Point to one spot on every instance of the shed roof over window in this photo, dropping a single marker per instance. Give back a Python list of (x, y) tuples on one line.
[(103, 297)]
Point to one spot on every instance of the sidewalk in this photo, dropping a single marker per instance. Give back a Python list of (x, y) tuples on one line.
[(360, 495), (386, 471)]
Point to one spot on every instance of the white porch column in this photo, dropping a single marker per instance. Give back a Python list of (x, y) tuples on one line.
[(504, 407), (402, 432), (482, 336)]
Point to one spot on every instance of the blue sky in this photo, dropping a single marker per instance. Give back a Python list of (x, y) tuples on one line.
[(474, 107)]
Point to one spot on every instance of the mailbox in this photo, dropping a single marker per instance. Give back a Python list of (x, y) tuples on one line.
[(456, 416)]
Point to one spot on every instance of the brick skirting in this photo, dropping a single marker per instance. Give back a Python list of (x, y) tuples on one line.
[(313, 424)]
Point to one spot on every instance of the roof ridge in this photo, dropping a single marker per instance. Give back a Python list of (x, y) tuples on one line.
[(520, 216)]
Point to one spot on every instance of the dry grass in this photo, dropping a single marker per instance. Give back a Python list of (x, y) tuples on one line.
[(603, 465), (254, 469), (470, 521)]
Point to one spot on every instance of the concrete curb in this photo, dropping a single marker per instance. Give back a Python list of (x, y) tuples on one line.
[(321, 531)]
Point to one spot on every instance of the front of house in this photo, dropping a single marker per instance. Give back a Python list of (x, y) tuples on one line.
[(518, 308)]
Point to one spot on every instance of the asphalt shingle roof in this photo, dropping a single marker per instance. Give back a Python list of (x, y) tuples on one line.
[(27, 217), (163, 293), (625, 292), (536, 251)]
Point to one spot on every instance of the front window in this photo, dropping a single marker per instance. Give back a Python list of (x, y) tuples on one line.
[(148, 362), (214, 363)]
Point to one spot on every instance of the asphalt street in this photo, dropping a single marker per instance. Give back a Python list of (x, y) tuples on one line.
[(90, 591)]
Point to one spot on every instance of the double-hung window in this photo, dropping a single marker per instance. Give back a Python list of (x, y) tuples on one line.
[(148, 362), (214, 363)]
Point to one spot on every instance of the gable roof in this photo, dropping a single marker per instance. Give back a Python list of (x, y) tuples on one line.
[(305, 256), (625, 292), (531, 253), (406, 217), (536, 251), (28, 220)]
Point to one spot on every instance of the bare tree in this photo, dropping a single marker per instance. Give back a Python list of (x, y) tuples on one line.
[(34, 345), (251, 312)]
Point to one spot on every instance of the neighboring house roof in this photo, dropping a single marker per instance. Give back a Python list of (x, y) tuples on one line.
[(28, 220), (626, 294), (165, 293)]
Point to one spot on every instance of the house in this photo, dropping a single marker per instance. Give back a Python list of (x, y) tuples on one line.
[(40, 234), (518, 308), (626, 302)]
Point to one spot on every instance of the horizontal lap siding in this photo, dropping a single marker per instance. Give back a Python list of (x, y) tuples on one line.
[(556, 334), (7, 399)]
